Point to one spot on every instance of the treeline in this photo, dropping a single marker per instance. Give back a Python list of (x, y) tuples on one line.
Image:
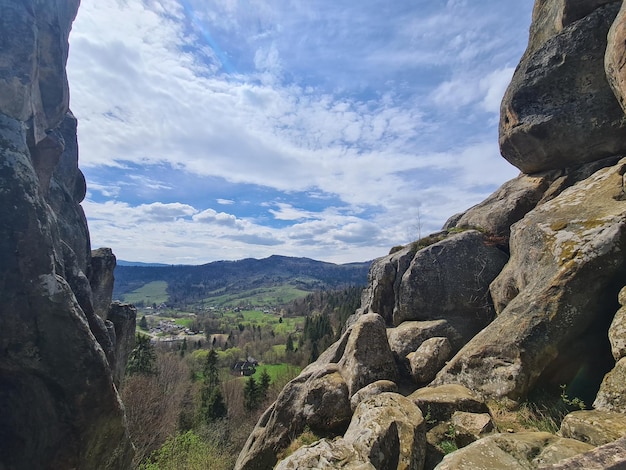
[(338, 305)]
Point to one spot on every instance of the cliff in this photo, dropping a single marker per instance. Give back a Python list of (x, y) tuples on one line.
[(59, 405), (518, 293)]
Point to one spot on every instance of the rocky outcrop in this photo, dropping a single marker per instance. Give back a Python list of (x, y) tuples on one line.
[(521, 288), (594, 427), (386, 433), (320, 396), (607, 457), (58, 403), (559, 110), (123, 318), (521, 451), (101, 280), (553, 295)]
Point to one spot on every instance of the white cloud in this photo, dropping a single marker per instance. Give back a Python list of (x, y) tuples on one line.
[(332, 99)]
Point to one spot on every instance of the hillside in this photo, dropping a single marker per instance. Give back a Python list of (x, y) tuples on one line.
[(293, 277)]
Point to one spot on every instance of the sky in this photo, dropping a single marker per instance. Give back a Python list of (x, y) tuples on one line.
[(329, 129)]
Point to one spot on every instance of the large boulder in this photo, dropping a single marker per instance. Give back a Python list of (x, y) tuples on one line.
[(123, 317), (615, 57), (410, 335), (612, 393), (326, 454), (593, 426), (555, 296), (610, 456), (559, 110), (450, 280), (390, 431), (521, 451), (439, 403), (429, 358)]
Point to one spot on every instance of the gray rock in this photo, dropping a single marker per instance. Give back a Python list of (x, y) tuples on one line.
[(326, 454), (449, 280), (371, 390), (614, 57), (123, 317), (513, 451), (320, 396), (388, 429), (594, 427), (409, 336), (469, 427), (563, 265), (101, 280), (610, 456), (559, 110), (617, 330), (429, 358), (60, 408), (439, 403)]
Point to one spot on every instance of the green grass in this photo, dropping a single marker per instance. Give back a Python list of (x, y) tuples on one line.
[(153, 292), (261, 296), (275, 371), (186, 322)]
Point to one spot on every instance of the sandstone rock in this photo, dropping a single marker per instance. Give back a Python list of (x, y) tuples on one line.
[(612, 393), (101, 279), (409, 336), (429, 358), (441, 402), (59, 406), (513, 451), (320, 396), (449, 280), (384, 277), (512, 201), (33, 83), (610, 456), (325, 454), (367, 357), (615, 57), (371, 390), (389, 430), (469, 427), (617, 330), (564, 264), (594, 427), (123, 318), (560, 91)]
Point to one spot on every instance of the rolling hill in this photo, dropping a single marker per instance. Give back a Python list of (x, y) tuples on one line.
[(276, 277)]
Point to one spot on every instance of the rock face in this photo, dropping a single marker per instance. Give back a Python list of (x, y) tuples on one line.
[(521, 288), (58, 403), (559, 110), (552, 295)]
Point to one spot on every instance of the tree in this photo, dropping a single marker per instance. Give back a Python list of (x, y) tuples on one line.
[(264, 385), (289, 345), (213, 406), (251, 397), (183, 347), (142, 359), (143, 323)]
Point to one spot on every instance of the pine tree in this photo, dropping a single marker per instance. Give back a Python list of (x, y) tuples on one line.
[(289, 345), (251, 394), (142, 359), (264, 385), (213, 405), (143, 323)]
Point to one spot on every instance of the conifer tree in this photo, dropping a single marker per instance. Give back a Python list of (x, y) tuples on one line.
[(142, 359)]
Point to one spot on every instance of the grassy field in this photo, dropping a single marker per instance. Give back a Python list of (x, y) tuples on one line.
[(276, 370), (256, 317), (261, 296), (153, 292)]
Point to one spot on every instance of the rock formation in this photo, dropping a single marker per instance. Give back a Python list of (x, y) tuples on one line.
[(59, 406), (522, 288)]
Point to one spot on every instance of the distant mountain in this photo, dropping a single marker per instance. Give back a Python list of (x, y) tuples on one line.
[(121, 262), (190, 284)]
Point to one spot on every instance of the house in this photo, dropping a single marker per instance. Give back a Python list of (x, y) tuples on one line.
[(244, 368)]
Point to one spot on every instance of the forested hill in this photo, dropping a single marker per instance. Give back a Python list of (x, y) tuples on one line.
[(194, 283)]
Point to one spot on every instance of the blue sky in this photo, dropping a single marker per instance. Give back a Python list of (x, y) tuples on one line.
[(330, 129)]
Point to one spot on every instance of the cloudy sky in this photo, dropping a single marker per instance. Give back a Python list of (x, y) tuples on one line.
[(330, 129)]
